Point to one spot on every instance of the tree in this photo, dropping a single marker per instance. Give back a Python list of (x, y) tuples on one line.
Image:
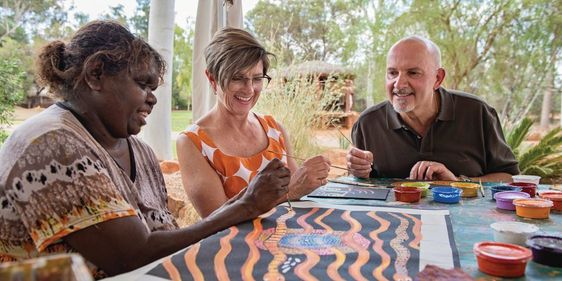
[(181, 76), (18, 15), (11, 92), (139, 21)]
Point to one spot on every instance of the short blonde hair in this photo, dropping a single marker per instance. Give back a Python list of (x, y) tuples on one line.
[(231, 51)]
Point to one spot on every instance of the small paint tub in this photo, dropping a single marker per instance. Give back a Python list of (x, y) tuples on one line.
[(407, 194), (424, 186), (469, 189), (449, 195), (500, 188), (501, 259), (555, 197), (546, 249), (504, 199), (527, 178), (513, 232), (534, 208), (526, 187)]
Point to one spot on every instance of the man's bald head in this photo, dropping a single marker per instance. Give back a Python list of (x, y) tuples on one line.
[(425, 45)]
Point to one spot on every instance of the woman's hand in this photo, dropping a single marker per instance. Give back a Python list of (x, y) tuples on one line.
[(312, 174), (268, 187), (430, 170)]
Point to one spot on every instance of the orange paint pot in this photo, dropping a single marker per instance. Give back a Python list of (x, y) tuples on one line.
[(555, 197), (501, 259), (534, 208), (469, 189), (407, 194)]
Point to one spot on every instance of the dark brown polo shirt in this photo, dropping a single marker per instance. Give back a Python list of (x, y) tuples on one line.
[(466, 137)]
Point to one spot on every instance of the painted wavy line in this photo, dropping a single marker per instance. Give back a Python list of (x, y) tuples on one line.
[(319, 219), (377, 246), (171, 269), (191, 263), (417, 232), (362, 255), (303, 269), (220, 267), (253, 254), (302, 221), (272, 244), (268, 214), (402, 252), (333, 268)]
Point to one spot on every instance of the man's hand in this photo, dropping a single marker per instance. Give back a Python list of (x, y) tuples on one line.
[(311, 175), (429, 170), (268, 187), (360, 162)]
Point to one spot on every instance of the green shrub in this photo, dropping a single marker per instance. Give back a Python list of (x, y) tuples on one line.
[(297, 105), (11, 92), (543, 158)]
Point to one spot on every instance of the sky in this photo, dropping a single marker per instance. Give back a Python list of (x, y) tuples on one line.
[(184, 8)]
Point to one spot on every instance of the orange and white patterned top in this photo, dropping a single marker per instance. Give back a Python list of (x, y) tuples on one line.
[(236, 172)]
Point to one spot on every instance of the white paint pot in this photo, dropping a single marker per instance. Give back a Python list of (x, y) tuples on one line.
[(513, 232)]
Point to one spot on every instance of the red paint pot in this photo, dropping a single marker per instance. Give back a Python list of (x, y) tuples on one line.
[(546, 249), (555, 197), (501, 259), (407, 194), (526, 187)]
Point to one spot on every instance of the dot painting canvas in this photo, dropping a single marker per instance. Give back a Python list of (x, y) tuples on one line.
[(320, 242)]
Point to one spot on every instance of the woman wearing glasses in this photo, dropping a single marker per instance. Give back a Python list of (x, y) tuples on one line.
[(222, 152)]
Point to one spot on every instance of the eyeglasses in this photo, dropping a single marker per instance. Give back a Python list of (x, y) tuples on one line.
[(258, 82)]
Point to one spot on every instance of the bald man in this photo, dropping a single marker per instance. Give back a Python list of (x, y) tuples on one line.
[(424, 131)]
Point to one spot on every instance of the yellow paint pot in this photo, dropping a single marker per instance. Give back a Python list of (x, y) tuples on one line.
[(424, 186), (469, 189), (534, 208)]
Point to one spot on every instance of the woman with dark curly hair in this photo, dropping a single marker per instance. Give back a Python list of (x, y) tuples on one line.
[(75, 179)]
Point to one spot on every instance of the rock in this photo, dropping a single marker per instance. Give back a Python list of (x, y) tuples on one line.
[(169, 167)]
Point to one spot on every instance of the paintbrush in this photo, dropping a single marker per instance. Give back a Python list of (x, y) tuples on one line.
[(350, 142), (481, 188), (302, 159), (353, 183)]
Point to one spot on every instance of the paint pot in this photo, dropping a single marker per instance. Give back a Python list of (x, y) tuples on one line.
[(546, 249), (424, 186), (469, 189), (513, 232), (527, 178), (526, 187), (500, 188), (504, 199), (407, 194), (449, 195), (555, 197), (534, 208), (501, 259)]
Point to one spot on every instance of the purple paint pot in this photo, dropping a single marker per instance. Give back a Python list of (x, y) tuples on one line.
[(504, 199), (546, 249), (500, 188)]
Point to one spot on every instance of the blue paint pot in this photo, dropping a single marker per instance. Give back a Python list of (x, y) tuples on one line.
[(449, 195), (501, 188)]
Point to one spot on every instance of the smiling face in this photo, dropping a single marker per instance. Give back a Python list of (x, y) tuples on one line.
[(241, 93), (128, 100), (412, 76)]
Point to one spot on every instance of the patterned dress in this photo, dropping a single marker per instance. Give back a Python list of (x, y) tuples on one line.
[(55, 179), (236, 172)]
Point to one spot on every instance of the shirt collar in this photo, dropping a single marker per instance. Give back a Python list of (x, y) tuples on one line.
[(446, 110)]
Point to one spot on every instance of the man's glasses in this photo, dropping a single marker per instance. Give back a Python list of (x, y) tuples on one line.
[(258, 82)]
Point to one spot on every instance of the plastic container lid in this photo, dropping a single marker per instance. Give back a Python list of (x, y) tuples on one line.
[(551, 243), (551, 195), (510, 195), (465, 185), (406, 189), (416, 184), (514, 227), (502, 252), (533, 203)]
